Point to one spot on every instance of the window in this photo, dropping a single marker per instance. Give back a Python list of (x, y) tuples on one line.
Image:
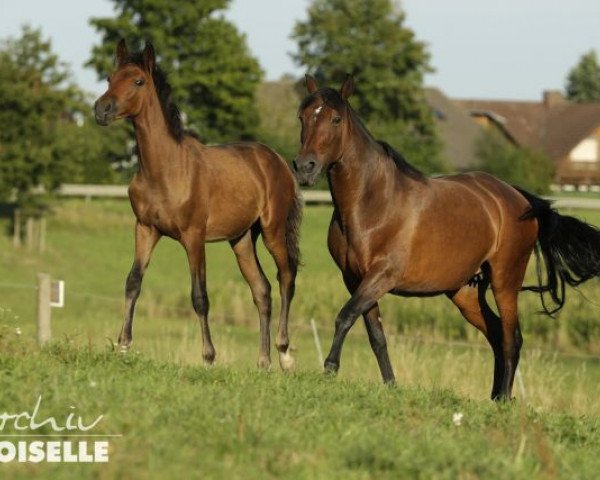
[(586, 151)]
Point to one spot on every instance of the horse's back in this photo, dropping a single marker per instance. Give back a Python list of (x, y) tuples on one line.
[(466, 217), (506, 206), (485, 186), (505, 201)]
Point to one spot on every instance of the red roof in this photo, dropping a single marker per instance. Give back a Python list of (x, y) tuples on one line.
[(554, 127)]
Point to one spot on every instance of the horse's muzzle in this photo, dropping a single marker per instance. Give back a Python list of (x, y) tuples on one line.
[(306, 169), (105, 111)]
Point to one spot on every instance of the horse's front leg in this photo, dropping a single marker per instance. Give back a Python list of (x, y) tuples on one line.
[(195, 248), (146, 237), (373, 286)]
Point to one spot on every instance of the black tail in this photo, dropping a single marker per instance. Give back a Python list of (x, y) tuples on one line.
[(292, 231), (570, 250)]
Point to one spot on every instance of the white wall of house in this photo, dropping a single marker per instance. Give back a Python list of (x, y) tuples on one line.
[(585, 151)]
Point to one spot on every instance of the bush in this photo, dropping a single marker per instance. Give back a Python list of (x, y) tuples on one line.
[(524, 167)]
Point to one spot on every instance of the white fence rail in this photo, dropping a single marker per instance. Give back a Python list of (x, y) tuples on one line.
[(120, 191), (311, 197)]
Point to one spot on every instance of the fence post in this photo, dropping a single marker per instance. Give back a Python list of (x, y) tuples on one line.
[(29, 229), (42, 234), (43, 320), (17, 228)]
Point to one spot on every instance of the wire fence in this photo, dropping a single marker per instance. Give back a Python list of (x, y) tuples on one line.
[(307, 326)]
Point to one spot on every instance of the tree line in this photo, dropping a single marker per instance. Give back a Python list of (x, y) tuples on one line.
[(48, 136)]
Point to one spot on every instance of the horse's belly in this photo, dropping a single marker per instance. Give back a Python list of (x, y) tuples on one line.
[(443, 261), (444, 278), (229, 224)]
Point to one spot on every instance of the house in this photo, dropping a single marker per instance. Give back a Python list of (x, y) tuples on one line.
[(456, 130), (569, 133)]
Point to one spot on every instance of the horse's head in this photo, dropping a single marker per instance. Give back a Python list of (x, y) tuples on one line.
[(129, 86), (324, 116)]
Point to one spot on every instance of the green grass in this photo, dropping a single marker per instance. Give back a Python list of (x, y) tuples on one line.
[(91, 248), (190, 422), (256, 425)]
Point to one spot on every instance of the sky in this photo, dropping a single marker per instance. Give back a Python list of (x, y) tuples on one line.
[(509, 49)]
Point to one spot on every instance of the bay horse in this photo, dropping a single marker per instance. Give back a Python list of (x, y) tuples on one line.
[(196, 193), (394, 230)]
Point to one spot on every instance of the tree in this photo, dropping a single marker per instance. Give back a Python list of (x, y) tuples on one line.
[(277, 103), (213, 75), (34, 98), (523, 167), (368, 39), (583, 81), (44, 139)]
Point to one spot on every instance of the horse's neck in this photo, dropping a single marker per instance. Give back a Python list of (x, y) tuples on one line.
[(365, 178), (156, 145)]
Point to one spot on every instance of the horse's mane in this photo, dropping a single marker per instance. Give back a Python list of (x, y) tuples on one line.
[(163, 90), (333, 99), (401, 163)]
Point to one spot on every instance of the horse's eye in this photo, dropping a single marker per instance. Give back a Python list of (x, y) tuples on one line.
[(139, 82), (336, 120)]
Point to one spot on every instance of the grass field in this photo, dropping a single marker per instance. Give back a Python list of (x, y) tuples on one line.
[(190, 422), (346, 428)]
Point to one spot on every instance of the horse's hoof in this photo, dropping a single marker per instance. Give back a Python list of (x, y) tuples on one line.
[(264, 364), (503, 399), (331, 368), (286, 361), (123, 348), (209, 358)]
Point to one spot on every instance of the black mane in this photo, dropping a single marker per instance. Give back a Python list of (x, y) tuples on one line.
[(401, 163), (163, 90), (333, 99)]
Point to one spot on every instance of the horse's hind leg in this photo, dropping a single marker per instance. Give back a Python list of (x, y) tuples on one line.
[(473, 305), (275, 241), (506, 284), (146, 238), (245, 252)]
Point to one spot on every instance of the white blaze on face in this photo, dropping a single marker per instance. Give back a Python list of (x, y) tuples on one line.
[(318, 110)]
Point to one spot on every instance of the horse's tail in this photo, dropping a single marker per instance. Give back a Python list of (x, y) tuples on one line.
[(570, 250), (292, 229)]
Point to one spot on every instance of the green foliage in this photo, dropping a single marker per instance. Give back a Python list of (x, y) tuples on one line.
[(277, 104), (213, 74), (93, 154), (583, 81), (524, 167), (45, 139), (33, 101), (369, 40)]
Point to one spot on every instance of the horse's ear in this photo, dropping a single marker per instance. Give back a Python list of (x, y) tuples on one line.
[(149, 56), (347, 87), (311, 83), (122, 52)]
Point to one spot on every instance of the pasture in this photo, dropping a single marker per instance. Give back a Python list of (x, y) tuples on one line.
[(232, 420)]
